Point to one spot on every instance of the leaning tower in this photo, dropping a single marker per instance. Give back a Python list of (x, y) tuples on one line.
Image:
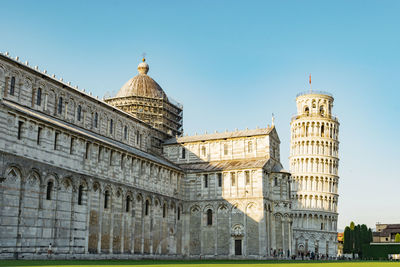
[(314, 166)]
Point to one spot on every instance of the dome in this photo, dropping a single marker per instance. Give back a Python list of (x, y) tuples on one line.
[(142, 85)]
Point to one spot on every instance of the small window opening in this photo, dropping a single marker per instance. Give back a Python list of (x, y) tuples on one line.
[(128, 204), (60, 103), (205, 180), (12, 85), (183, 152), (38, 135), (87, 150), (126, 132), (146, 210), (79, 112), (106, 199), (276, 181), (99, 154), (307, 111), (20, 123), (39, 96), (111, 157), (49, 190), (219, 179), (322, 130), (321, 111), (55, 140), (164, 211), (96, 119), (80, 192), (122, 161), (179, 213), (111, 126), (322, 226), (71, 146), (209, 217)]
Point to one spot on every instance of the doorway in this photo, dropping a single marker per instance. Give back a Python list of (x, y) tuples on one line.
[(238, 247)]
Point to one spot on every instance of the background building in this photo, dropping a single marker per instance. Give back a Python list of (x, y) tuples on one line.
[(385, 233)]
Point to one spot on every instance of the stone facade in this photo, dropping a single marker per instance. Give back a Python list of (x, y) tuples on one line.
[(96, 180), (236, 191), (314, 166)]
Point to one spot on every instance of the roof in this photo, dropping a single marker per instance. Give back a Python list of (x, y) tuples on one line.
[(390, 229), (142, 85), (225, 165), (89, 134), (215, 136)]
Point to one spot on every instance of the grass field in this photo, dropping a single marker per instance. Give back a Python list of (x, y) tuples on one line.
[(203, 263)]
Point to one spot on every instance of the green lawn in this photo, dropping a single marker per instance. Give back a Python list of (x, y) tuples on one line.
[(193, 263)]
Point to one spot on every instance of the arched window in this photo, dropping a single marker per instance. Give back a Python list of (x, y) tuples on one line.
[(322, 226), (80, 192), (79, 112), (146, 208), (49, 190), (276, 181), (209, 217), (321, 110), (125, 132), (322, 130), (106, 199), (164, 210), (128, 204), (250, 147), (96, 119), (179, 213), (307, 111), (60, 103), (12, 85), (39, 96), (313, 104)]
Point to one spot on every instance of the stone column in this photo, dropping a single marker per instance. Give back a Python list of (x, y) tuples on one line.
[(19, 90), (33, 96), (6, 86), (101, 207), (88, 211), (123, 217), (112, 208)]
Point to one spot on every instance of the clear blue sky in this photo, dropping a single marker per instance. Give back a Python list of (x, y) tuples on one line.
[(233, 63)]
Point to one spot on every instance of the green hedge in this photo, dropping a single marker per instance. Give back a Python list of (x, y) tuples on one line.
[(379, 252)]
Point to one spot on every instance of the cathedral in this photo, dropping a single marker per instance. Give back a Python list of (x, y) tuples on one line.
[(116, 178)]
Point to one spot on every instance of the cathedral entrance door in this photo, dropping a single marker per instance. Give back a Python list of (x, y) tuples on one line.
[(238, 247)]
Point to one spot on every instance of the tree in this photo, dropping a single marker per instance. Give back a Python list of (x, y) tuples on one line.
[(347, 242), (397, 238), (355, 238)]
